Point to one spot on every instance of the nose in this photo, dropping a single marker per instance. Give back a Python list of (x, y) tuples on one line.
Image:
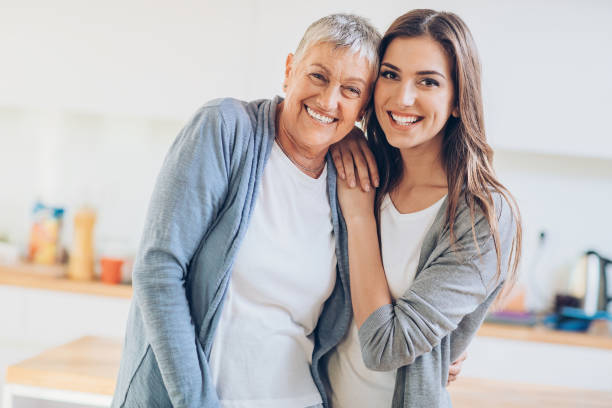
[(328, 98), (406, 94)]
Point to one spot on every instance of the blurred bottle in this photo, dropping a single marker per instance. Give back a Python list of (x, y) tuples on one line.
[(44, 246), (81, 264)]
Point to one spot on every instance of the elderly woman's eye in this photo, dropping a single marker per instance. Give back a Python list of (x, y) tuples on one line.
[(317, 77), (353, 91)]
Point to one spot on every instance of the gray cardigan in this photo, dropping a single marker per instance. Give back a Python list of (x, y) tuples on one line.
[(433, 322), (198, 214)]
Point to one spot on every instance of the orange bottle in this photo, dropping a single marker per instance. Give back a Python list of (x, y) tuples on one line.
[(81, 264)]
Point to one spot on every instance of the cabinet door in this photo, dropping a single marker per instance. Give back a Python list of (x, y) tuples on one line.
[(539, 363)]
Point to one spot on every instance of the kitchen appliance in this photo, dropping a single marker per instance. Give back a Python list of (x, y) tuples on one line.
[(591, 283)]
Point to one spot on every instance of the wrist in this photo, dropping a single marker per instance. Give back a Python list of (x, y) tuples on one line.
[(354, 221)]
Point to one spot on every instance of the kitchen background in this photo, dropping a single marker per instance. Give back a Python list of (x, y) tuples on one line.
[(93, 93)]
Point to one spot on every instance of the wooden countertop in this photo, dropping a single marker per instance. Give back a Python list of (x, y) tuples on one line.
[(477, 393), (91, 364), (544, 335), (53, 278)]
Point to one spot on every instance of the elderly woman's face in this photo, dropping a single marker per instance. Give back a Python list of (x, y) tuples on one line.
[(326, 92)]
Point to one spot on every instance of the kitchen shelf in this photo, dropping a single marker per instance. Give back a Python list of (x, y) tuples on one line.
[(53, 278), (544, 335)]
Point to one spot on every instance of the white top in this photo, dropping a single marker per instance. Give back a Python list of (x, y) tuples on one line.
[(284, 271), (353, 384)]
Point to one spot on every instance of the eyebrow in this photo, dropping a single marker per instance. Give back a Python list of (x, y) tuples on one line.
[(427, 72), (357, 79)]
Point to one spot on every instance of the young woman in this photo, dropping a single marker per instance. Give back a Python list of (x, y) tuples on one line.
[(436, 244)]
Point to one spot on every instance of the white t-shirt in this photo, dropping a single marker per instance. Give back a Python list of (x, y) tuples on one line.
[(353, 384), (284, 271)]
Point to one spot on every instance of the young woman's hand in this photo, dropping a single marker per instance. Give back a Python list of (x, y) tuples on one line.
[(356, 204), (455, 368), (354, 160)]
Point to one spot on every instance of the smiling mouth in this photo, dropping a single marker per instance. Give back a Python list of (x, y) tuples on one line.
[(405, 120), (326, 120)]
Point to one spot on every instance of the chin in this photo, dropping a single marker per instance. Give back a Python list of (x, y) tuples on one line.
[(319, 139), (404, 143)]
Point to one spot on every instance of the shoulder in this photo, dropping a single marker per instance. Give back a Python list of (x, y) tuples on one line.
[(223, 111), (465, 218), (238, 118), (224, 122), (473, 232)]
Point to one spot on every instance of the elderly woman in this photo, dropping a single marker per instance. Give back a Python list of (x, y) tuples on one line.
[(240, 285)]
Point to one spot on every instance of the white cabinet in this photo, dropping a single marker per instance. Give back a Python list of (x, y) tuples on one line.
[(33, 320), (546, 76), (539, 363)]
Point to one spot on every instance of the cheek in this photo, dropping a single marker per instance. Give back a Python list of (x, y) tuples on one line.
[(441, 106), (379, 97)]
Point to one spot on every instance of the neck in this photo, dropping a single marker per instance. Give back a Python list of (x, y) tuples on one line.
[(423, 165), (308, 160)]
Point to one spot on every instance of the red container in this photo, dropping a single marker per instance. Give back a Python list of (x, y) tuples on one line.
[(111, 270)]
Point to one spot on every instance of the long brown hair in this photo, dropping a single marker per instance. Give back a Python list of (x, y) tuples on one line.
[(466, 155)]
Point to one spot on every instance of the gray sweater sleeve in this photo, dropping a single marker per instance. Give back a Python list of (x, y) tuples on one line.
[(187, 197), (451, 285)]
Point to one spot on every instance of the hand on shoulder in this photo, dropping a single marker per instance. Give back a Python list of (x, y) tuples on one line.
[(356, 204)]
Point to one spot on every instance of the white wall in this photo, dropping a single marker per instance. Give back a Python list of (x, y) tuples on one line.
[(92, 94), (568, 198), (545, 62)]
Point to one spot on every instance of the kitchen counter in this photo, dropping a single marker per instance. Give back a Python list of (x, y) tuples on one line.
[(476, 393), (53, 278), (544, 335), (82, 372), (89, 366)]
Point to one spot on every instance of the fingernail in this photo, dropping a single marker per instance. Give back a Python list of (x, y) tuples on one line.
[(352, 183), (367, 188), (342, 176), (376, 182)]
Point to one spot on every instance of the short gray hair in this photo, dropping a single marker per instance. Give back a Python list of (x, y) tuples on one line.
[(343, 30)]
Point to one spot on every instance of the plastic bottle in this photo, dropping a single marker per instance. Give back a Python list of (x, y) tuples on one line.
[(81, 264)]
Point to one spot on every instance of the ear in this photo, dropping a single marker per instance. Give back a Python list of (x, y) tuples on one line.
[(455, 112), (288, 68)]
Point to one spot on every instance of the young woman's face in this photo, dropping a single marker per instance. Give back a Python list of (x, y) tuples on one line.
[(414, 95)]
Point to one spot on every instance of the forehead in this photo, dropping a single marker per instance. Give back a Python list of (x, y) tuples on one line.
[(413, 54), (341, 62)]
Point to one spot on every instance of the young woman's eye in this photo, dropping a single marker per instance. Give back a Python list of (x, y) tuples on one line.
[(429, 82), (388, 74)]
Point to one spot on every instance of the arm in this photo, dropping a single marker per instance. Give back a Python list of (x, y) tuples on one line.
[(451, 285), (188, 193), (369, 288)]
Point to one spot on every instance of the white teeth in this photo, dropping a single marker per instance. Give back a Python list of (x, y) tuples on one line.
[(404, 119), (320, 118)]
